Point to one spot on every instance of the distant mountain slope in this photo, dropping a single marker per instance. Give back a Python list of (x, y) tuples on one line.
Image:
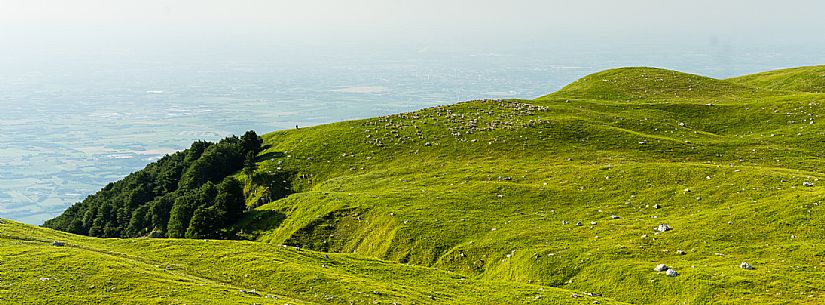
[(802, 79), (571, 190), (642, 83)]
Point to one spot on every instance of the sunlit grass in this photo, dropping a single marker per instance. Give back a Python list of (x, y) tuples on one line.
[(477, 203)]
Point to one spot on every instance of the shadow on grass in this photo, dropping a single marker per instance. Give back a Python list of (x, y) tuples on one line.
[(277, 185), (256, 222), (271, 155)]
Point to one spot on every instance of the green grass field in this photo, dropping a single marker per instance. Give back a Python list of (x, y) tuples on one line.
[(478, 203)]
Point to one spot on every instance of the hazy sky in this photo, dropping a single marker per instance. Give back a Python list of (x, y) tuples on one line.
[(82, 25)]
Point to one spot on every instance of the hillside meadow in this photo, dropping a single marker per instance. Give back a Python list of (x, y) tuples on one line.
[(570, 198)]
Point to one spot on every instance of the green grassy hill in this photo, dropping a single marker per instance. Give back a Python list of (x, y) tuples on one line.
[(499, 202), (802, 79), (652, 84)]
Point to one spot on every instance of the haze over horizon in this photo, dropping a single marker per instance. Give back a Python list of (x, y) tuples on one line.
[(44, 31)]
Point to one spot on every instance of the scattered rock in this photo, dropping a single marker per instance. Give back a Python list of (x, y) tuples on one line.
[(663, 228), (578, 223), (680, 252), (575, 295), (614, 217), (58, 244), (807, 184), (660, 268), (564, 222), (656, 206), (428, 144), (155, 234), (746, 266), (593, 223), (671, 273), (43, 279)]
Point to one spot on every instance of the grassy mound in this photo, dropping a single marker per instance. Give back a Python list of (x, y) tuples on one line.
[(802, 79), (650, 84)]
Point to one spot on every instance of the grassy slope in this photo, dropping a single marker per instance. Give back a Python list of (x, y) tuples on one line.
[(438, 205), (802, 79), (168, 271), (652, 84), (479, 191)]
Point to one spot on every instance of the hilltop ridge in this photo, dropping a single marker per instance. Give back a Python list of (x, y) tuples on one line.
[(801, 79), (650, 84)]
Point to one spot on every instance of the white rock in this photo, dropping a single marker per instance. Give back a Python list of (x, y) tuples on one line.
[(660, 268), (671, 273), (663, 228), (746, 266)]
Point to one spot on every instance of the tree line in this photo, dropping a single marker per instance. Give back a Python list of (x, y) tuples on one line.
[(188, 194)]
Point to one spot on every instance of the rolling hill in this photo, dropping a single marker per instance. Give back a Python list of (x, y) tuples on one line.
[(547, 201), (802, 79)]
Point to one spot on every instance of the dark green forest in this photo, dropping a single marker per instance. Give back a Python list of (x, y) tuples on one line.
[(188, 194)]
